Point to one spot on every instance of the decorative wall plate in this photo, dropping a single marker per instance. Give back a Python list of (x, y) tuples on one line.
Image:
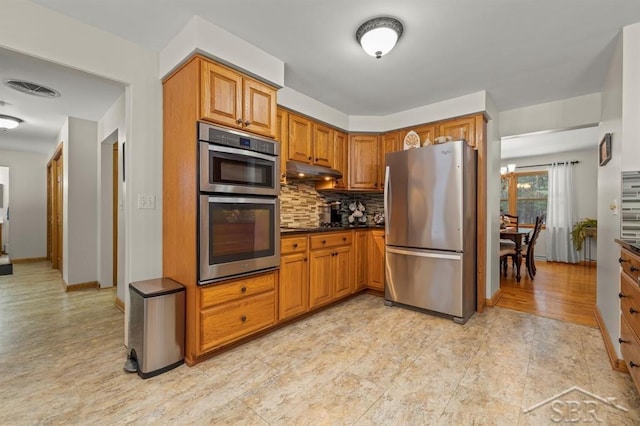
[(412, 140)]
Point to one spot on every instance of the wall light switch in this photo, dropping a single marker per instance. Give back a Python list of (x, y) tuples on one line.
[(146, 201)]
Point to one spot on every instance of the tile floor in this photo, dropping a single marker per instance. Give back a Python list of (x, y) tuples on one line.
[(61, 359)]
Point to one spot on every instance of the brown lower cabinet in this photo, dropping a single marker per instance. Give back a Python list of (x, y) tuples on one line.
[(293, 293), (331, 276), (376, 259), (629, 310)]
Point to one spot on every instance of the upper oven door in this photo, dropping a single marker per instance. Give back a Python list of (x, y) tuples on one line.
[(225, 169)]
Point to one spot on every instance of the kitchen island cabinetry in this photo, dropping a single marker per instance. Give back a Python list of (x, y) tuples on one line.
[(293, 293), (630, 310), (235, 100)]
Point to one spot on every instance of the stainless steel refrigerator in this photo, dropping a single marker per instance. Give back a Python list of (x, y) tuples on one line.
[(430, 229)]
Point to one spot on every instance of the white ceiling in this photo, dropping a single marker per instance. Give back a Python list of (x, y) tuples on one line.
[(522, 52)]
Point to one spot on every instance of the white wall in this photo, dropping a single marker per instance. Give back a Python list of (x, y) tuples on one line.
[(493, 199), (609, 187), (585, 175), (562, 114), (4, 181), (111, 129), (28, 209)]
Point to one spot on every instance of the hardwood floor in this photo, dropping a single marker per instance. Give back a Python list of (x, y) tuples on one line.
[(560, 291)]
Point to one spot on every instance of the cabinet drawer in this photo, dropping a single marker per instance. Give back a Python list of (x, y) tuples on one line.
[(293, 245), (330, 240), (630, 348), (235, 289), (630, 264), (630, 302), (230, 321)]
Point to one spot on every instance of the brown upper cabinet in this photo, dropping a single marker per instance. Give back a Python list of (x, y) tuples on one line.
[(469, 128), (282, 136), (341, 158), (300, 139), (323, 145), (364, 160), (391, 142), (235, 100)]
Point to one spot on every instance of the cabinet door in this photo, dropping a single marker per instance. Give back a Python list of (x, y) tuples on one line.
[(376, 260), (459, 128), (221, 95), (361, 262), (322, 145), (294, 285), (300, 132), (340, 156), (427, 132), (363, 162), (320, 282), (343, 272), (390, 142), (282, 136), (259, 108)]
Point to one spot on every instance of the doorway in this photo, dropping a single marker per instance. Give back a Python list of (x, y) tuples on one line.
[(54, 209), (4, 206), (114, 187)]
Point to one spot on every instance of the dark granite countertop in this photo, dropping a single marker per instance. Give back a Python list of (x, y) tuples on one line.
[(631, 245), (290, 231)]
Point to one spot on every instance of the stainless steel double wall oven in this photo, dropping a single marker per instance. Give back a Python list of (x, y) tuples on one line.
[(239, 207)]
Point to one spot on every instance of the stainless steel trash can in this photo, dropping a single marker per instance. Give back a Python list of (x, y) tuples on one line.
[(156, 325)]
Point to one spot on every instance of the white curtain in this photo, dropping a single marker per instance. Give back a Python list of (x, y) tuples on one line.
[(561, 214)]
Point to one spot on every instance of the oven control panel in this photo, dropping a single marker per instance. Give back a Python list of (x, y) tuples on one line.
[(221, 136)]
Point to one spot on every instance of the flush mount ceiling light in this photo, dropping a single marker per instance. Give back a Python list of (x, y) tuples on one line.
[(8, 122), (377, 36)]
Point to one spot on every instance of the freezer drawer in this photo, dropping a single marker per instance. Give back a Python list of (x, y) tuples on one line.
[(426, 279)]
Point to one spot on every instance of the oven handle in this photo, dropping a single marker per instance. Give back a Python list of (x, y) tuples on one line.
[(240, 200), (242, 152)]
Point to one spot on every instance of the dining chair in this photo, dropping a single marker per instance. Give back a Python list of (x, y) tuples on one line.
[(527, 249), (509, 220)]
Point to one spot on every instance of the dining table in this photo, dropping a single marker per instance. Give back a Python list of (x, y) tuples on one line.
[(518, 236)]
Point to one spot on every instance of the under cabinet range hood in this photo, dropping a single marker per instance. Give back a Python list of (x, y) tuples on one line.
[(303, 171)]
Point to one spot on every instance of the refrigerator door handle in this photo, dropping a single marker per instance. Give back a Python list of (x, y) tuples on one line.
[(452, 256), (387, 188)]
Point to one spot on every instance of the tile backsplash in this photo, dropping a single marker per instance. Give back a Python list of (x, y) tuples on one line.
[(300, 204)]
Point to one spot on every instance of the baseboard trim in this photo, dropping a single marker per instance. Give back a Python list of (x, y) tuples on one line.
[(616, 363), (29, 260), (495, 298), (119, 304), (82, 286)]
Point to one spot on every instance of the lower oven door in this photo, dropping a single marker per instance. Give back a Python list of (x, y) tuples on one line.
[(238, 235)]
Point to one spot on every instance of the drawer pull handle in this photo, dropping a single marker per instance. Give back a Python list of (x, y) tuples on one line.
[(622, 341), (243, 289), (243, 318), (620, 295), (295, 245), (239, 121), (344, 238), (309, 158), (621, 260), (632, 311), (305, 259), (633, 268), (633, 364), (324, 241), (246, 123)]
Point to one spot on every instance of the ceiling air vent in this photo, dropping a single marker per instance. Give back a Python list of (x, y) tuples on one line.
[(31, 88)]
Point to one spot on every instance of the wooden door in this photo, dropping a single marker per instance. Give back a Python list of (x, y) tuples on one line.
[(293, 292), (115, 214), (342, 272), (259, 106), (340, 158), (459, 128), (361, 263), (320, 282), (376, 260), (50, 187), (221, 95), (282, 136), (58, 213), (363, 162), (322, 145), (300, 134)]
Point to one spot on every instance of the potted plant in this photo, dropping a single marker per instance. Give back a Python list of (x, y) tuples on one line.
[(582, 229)]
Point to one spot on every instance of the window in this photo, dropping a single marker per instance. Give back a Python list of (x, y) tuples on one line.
[(525, 195)]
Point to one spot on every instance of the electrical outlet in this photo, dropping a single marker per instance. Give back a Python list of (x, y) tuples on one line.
[(146, 201)]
